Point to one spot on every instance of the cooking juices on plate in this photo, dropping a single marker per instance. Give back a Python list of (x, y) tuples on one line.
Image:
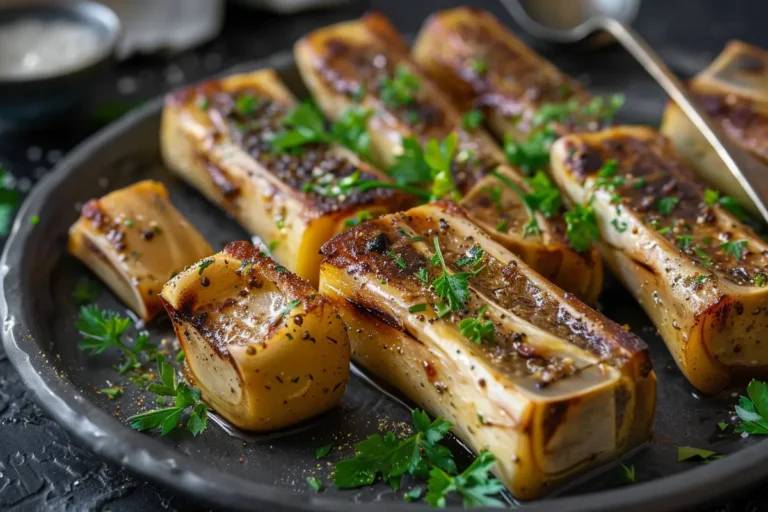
[(450, 301)]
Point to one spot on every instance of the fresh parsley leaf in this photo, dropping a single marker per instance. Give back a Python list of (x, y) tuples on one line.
[(533, 153), (619, 225), (102, 330), (474, 484), (472, 119), (494, 194), (474, 257), (408, 235), (414, 494), (734, 248), (438, 155), (86, 291), (683, 242), (628, 472), (753, 409), (581, 227), (322, 451), (34, 220), (665, 205), (180, 356), (685, 453), (304, 125), (9, 200), (760, 280), (351, 130), (391, 458), (712, 197), (203, 265), (358, 219), (532, 226), (288, 308), (184, 398), (422, 275), (701, 278), (401, 89), (245, 104), (410, 166), (703, 256), (417, 308), (478, 329), (316, 484), (111, 392), (545, 197), (605, 107), (479, 66), (400, 262), (722, 426), (453, 289), (501, 226)]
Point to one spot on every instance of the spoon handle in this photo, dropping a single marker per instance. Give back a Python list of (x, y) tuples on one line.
[(751, 174)]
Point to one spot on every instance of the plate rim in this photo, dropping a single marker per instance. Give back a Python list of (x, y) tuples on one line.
[(144, 456)]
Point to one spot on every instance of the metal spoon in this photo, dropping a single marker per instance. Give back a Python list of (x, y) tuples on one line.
[(574, 20)]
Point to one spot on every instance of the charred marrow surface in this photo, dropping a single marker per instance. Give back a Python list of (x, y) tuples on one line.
[(699, 272), (482, 65), (519, 366), (135, 241), (218, 137), (265, 349), (366, 63), (733, 90)]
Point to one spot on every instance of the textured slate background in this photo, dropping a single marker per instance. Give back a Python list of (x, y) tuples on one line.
[(40, 468)]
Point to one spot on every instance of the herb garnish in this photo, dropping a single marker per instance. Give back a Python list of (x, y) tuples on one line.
[(111, 392), (628, 472), (316, 484), (712, 197), (351, 130), (581, 227), (245, 104), (417, 308), (620, 226), (453, 289), (303, 125), (401, 89), (665, 205), (322, 451), (86, 291), (430, 166), (474, 484), (532, 226), (472, 119), (474, 257), (400, 262), (734, 248), (9, 199), (533, 153), (760, 280), (102, 330), (414, 494), (479, 66), (184, 398), (203, 265), (392, 458), (358, 219), (753, 409), (478, 329), (288, 308), (685, 453)]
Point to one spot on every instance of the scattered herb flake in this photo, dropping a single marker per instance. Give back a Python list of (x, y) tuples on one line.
[(734, 248), (414, 494), (288, 308), (619, 225), (417, 308), (478, 329), (245, 104), (316, 484), (401, 89), (686, 453), (322, 451), (86, 291), (358, 219), (111, 392), (581, 227), (628, 472), (400, 262), (204, 265), (665, 205), (351, 130), (472, 119)]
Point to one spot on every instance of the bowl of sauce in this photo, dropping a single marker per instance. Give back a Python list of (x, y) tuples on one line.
[(51, 56)]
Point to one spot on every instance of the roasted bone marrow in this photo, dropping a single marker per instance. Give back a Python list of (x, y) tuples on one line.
[(264, 348), (135, 240), (733, 91), (357, 62), (698, 272), (217, 136), (520, 367)]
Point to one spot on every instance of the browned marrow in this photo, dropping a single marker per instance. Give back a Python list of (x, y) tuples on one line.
[(698, 272), (217, 137), (348, 63), (548, 385)]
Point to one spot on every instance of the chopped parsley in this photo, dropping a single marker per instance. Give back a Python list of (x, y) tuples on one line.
[(316, 484), (111, 392), (322, 451), (414, 494), (545, 196), (452, 289), (494, 194), (9, 199), (533, 153), (478, 329), (417, 308), (501, 226), (474, 257), (86, 291), (34, 220), (734, 248), (601, 107), (438, 155), (683, 242), (619, 225), (400, 262), (422, 275), (532, 226), (245, 104), (665, 205), (103, 329), (760, 280), (479, 66), (701, 278), (703, 256), (628, 473), (288, 308), (408, 235), (185, 399), (392, 458), (474, 484), (401, 89), (358, 219), (581, 227), (204, 265), (753, 409), (472, 119), (305, 124), (687, 453), (351, 130), (712, 197)]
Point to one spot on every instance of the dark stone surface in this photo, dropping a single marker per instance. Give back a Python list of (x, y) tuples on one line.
[(40, 468)]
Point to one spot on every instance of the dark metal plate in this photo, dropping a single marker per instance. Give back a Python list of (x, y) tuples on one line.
[(235, 470)]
